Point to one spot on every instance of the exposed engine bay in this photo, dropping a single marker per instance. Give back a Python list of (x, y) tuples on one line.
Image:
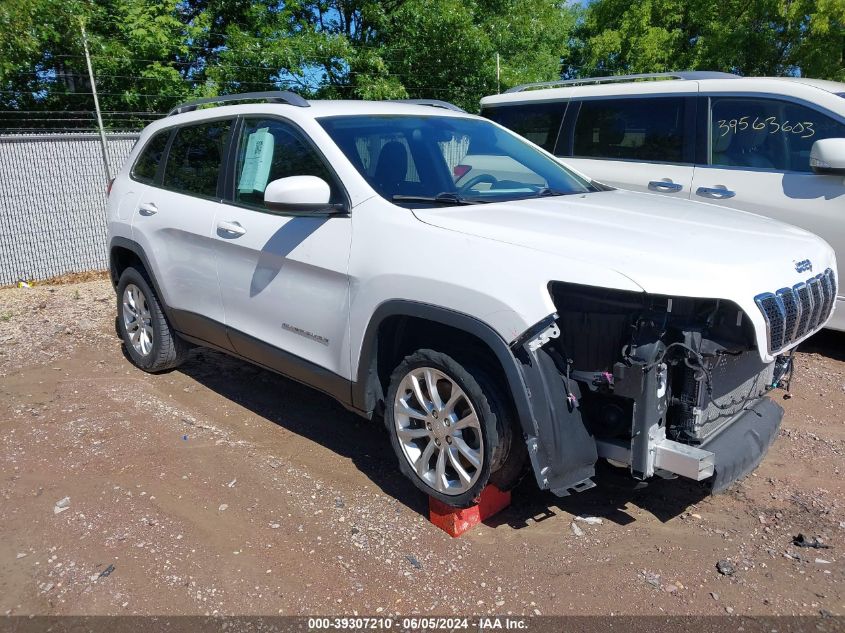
[(656, 379)]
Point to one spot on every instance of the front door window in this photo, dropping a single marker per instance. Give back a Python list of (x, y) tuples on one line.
[(766, 133)]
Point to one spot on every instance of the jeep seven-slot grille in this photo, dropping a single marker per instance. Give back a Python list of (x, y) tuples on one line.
[(792, 313)]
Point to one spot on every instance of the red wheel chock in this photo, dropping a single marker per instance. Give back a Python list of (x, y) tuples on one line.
[(456, 521)]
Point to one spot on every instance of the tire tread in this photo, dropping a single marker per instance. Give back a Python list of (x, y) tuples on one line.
[(169, 350), (497, 427)]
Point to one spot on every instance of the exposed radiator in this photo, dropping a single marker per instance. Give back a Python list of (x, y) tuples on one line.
[(737, 381)]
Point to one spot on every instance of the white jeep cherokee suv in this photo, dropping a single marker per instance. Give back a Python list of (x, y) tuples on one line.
[(772, 146), (526, 315)]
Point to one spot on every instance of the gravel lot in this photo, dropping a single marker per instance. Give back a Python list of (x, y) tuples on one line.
[(221, 488)]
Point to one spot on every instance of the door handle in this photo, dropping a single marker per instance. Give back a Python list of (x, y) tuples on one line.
[(665, 186), (147, 208), (717, 193), (231, 227)]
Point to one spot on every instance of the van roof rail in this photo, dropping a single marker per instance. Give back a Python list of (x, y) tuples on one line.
[(688, 75), (434, 103), (278, 96)]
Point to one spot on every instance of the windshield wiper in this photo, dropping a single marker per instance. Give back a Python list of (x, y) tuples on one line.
[(441, 198), (547, 191)]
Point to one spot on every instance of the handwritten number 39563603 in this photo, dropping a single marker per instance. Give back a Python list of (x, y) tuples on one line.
[(733, 126)]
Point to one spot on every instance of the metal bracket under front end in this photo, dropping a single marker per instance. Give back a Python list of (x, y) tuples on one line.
[(543, 337), (650, 452), (684, 460), (667, 456), (727, 456), (563, 451)]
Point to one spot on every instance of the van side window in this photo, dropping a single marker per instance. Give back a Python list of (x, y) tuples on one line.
[(195, 157), (270, 149), (649, 129), (766, 133), (538, 122), (146, 166)]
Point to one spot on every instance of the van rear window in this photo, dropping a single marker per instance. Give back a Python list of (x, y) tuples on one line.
[(538, 122)]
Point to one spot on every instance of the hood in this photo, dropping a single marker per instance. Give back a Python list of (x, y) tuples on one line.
[(664, 245)]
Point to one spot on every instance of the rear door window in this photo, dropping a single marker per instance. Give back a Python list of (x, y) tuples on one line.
[(766, 133), (538, 122), (195, 158), (637, 129), (146, 167)]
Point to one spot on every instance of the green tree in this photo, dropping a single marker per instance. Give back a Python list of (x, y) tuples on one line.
[(443, 49), (751, 37), (44, 65), (447, 49), (820, 51), (149, 54)]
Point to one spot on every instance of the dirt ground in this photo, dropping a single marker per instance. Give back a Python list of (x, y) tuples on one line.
[(221, 488)]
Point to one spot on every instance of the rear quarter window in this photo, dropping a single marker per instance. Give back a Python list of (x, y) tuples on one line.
[(146, 167)]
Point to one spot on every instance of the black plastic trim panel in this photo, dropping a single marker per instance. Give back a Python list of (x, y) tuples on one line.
[(200, 329), (741, 446), (292, 366), (563, 453), (366, 389)]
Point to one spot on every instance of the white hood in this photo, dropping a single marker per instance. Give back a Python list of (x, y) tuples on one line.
[(665, 245)]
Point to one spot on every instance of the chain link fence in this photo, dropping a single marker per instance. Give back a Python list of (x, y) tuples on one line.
[(53, 203)]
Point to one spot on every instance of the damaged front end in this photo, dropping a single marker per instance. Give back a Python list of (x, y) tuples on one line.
[(661, 385)]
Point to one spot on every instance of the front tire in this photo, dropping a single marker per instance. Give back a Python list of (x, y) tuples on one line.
[(150, 342), (448, 435)]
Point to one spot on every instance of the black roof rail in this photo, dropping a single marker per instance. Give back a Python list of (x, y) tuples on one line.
[(279, 96), (686, 74), (434, 103)]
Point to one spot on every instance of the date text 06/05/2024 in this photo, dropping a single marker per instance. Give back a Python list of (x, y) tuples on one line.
[(418, 623)]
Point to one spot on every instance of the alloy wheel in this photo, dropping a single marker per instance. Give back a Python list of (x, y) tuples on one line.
[(137, 320), (439, 430)]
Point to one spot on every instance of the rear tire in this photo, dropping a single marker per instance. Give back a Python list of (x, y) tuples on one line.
[(150, 341), (451, 433)]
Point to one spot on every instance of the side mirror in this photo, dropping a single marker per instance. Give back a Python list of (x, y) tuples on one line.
[(827, 156), (299, 195)]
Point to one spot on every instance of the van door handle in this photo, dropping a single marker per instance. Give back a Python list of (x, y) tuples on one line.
[(665, 186), (147, 208), (717, 193), (231, 228)]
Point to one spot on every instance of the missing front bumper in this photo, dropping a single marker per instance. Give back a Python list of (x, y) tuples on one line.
[(724, 458)]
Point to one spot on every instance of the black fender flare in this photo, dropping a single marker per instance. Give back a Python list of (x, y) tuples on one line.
[(365, 392), (138, 251), (563, 453)]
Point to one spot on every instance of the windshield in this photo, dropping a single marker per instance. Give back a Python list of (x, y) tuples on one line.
[(442, 160)]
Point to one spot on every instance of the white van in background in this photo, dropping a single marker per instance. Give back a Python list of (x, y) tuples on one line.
[(772, 146)]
